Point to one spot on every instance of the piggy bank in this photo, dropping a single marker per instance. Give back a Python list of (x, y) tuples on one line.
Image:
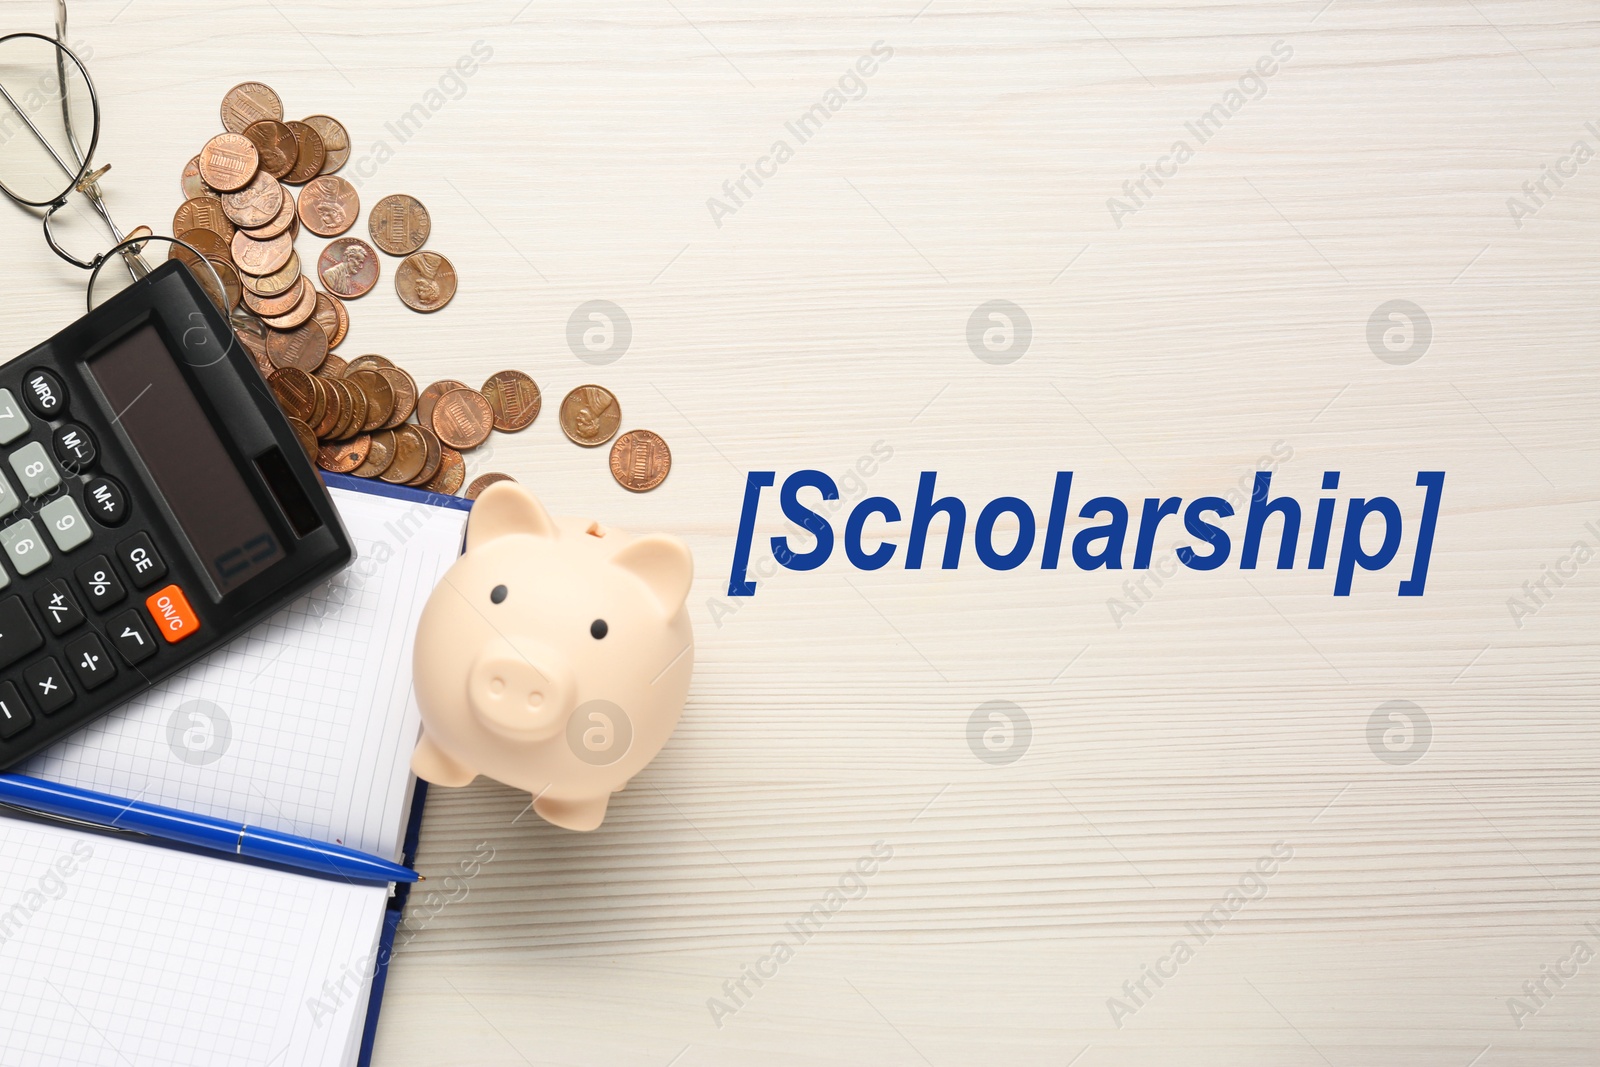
[(554, 656)]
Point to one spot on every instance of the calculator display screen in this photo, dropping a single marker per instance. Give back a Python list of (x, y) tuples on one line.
[(163, 420)]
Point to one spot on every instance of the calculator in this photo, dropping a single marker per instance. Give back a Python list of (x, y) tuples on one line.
[(154, 504)]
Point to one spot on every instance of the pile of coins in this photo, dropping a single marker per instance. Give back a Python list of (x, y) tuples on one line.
[(354, 418)]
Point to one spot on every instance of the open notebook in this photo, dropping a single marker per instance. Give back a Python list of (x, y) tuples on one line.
[(306, 724)]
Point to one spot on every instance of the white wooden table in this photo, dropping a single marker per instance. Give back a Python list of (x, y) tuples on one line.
[(1221, 323)]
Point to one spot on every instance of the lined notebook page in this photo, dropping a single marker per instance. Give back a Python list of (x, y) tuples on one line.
[(305, 724), (115, 952)]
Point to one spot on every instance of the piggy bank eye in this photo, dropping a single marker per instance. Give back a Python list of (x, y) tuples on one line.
[(598, 629), (497, 594)]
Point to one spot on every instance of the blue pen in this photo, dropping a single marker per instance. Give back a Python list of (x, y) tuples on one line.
[(201, 831)]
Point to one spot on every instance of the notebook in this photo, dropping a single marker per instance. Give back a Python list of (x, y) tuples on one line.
[(141, 954)]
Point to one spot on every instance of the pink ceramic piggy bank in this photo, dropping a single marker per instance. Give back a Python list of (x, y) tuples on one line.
[(554, 656)]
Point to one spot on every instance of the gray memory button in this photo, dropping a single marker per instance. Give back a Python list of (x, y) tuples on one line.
[(13, 422), (65, 523), (34, 470), (22, 544)]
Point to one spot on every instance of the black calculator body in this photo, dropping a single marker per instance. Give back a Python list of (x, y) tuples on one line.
[(155, 505)]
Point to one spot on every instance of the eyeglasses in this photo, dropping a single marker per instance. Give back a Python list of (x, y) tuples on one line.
[(49, 130)]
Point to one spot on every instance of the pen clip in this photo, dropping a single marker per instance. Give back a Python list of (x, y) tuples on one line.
[(68, 820)]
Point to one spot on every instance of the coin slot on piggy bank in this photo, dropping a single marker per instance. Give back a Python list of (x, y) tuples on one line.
[(554, 656)]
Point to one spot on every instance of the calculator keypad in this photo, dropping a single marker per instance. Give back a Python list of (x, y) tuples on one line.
[(141, 560), (100, 583), (48, 686), (13, 423), (18, 634), (106, 500), (23, 546), (44, 392), (90, 661), (67, 526), (73, 446), (131, 636), (60, 612), (14, 715), (34, 469)]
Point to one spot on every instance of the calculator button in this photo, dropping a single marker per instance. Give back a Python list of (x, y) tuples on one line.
[(13, 423), (127, 631), (99, 583), (105, 501), (48, 685), (18, 634), (90, 661), (67, 526), (21, 542), (139, 556), (74, 447), (174, 617), (44, 393), (34, 469), (9, 500), (14, 717), (54, 600)]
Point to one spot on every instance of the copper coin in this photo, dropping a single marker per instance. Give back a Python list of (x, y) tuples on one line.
[(248, 103), (484, 481), (514, 398), (590, 415), (405, 395), (279, 223), (431, 461), (270, 307), (380, 397), (451, 473), (275, 145), (228, 162), (462, 418), (370, 362), (348, 267), (430, 396), (640, 460), (205, 242), (358, 409), (295, 392), (204, 212), (319, 405), (252, 339), (279, 281), (303, 347), (329, 206), (336, 410), (346, 456), (261, 257), (301, 312), (410, 453), (399, 224), (333, 367), (227, 296), (193, 184), (335, 141), (256, 205), (379, 455), (311, 154), (307, 439), (231, 290), (426, 281), (332, 317)]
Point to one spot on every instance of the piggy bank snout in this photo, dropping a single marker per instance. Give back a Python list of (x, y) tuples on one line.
[(525, 693)]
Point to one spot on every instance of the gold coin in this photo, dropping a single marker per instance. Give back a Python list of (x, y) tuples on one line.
[(279, 281), (228, 162), (514, 398), (348, 268), (405, 395), (193, 184), (260, 257), (484, 481), (299, 314), (410, 453), (426, 281), (204, 212), (256, 205), (329, 206), (307, 439), (590, 415), (275, 146), (303, 347), (462, 418), (335, 141), (279, 223), (640, 461), (399, 224), (430, 396), (248, 103), (452, 472), (311, 154), (345, 456), (379, 455)]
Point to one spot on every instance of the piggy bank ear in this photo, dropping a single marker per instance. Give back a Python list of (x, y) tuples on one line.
[(506, 508), (662, 563)]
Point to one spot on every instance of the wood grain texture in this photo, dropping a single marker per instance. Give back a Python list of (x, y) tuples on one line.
[(1222, 323)]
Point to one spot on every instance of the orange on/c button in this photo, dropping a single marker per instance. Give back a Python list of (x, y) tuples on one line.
[(172, 613)]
